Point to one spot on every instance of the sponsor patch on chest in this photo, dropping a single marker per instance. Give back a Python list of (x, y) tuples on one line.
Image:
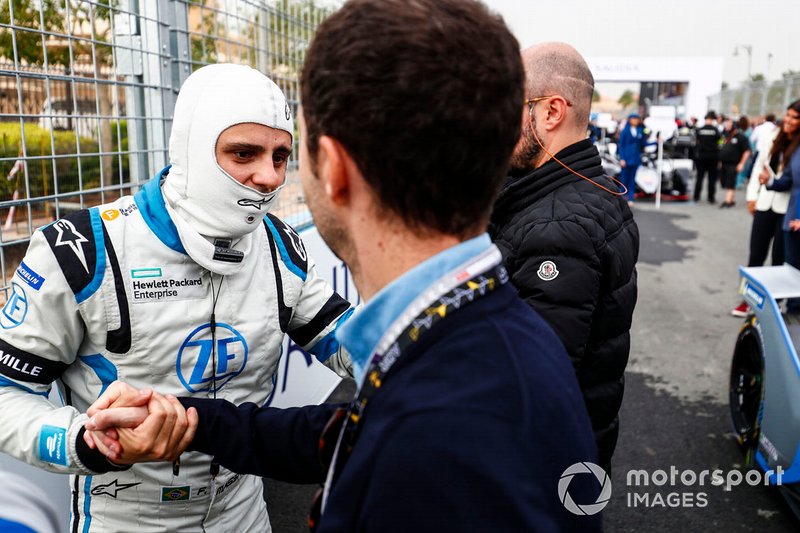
[(166, 283)]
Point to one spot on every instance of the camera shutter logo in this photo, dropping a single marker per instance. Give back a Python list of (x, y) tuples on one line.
[(547, 271), (602, 498)]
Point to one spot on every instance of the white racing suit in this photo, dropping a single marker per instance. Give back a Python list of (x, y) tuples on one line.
[(109, 293)]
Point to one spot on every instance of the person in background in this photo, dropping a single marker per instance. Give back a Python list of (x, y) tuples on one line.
[(767, 128), (768, 209), (632, 140), (747, 169), (567, 235), (733, 156), (707, 158), (784, 161)]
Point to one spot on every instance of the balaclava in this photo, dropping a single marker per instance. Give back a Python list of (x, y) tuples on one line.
[(205, 202)]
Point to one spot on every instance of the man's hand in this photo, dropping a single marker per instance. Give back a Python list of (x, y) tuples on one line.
[(763, 178), (131, 410), (622, 163), (131, 426), (739, 167), (751, 207), (794, 225)]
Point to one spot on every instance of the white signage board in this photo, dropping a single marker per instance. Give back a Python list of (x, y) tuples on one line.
[(605, 120), (662, 119)]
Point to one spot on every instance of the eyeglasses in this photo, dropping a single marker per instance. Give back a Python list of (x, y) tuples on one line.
[(531, 101)]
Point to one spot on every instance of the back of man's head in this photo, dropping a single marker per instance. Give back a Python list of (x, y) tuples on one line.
[(425, 95), (557, 68), (710, 116)]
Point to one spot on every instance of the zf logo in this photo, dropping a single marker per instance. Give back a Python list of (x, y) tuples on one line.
[(16, 308), (195, 365)]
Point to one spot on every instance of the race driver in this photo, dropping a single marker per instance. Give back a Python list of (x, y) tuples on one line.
[(188, 286)]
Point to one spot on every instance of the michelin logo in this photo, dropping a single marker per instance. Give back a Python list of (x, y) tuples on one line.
[(29, 276), (53, 445), (754, 296)]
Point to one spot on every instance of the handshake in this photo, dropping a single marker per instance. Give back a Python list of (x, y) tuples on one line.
[(129, 425)]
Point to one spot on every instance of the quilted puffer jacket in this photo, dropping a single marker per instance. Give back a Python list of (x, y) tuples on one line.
[(571, 250)]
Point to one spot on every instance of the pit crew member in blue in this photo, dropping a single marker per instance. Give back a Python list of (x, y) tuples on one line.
[(189, 286)]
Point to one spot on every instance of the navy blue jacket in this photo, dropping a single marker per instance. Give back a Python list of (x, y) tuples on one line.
[(790, 180), (629, 148), (471, 431)]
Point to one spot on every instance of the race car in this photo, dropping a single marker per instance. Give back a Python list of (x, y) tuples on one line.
[(765, 379)]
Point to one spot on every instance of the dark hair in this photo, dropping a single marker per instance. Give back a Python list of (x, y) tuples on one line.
[(784, 145), (743, 123), (770, 117), (426, 96), (711, 115)]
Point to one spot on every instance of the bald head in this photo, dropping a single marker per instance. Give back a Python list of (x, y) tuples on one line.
[(557, 68)]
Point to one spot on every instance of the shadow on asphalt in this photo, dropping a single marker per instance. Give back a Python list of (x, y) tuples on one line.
[(689, 436), (659, 227)]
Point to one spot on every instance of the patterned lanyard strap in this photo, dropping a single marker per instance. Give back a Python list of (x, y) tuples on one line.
[(470, 287)]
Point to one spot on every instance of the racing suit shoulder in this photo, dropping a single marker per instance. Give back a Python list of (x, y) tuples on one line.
[(74, 241), (309, 309), (290, 246)]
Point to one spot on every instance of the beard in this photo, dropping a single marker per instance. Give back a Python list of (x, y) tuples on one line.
[(330, 228), (526, 152)]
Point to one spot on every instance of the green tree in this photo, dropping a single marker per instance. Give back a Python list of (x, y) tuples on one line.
[(26, 13), (626, 99), (758, 77), (790, 73), (595, 96), (83, 19)]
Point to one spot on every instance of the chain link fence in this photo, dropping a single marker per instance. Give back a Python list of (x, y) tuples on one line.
[(87, 91), (758, 98)]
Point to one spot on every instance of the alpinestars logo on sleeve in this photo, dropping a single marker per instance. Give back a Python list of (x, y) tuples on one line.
[(297, 244), (69, 236)]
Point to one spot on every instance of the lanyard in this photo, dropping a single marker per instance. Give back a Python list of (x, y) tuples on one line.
[(460, 287)]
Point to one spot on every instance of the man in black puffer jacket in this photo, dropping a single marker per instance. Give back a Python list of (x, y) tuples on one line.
[(570, 242)]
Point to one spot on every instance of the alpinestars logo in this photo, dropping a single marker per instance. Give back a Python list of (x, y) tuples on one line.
[(258, 204), (111, 489), (69, 236), (297, 243)]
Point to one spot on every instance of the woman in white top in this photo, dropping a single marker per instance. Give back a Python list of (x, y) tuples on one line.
[(768, 209)]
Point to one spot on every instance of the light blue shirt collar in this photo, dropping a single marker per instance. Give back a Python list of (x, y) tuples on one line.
[(362, 332)]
